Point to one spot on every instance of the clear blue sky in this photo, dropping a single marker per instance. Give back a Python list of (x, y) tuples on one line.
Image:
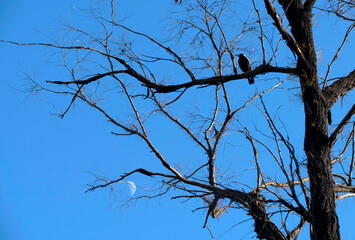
[(45, 162)]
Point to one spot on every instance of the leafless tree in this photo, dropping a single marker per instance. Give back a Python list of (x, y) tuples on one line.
[(198, 60)]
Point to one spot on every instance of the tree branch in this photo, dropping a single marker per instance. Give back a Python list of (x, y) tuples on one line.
[(261, 32), (290, 41), (262, 69), (139, 170), (339, 88), (178, 59), (89, 80), (264, 227), (334, 136), (337, 52), (294, 233)]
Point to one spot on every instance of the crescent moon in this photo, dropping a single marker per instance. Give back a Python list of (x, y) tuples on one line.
[(132, 187)]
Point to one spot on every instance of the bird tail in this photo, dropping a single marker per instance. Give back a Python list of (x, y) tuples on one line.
[(251, 80)]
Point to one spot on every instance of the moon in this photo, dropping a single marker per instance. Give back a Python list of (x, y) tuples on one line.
[(132, 187)]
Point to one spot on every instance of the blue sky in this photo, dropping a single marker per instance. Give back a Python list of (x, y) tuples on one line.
[(46, 162)]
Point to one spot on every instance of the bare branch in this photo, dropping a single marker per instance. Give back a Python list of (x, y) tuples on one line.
[(71, 102), (139, 170), (89, 80), (212, 151), (220, 79), (261, 32), (290, 41), (339, 12), (182, 126), (168, 49), (294, 233), (337, 53), (345, 196), (259, 173), (347, 189), (339, 88), (293, 157), (334, 136)]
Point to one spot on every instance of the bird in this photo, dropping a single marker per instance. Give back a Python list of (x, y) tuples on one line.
[(244, 64)]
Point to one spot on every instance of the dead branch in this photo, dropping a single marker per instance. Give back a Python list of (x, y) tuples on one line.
[(339, 88), (337, 53), (334, 136), (290, 41)]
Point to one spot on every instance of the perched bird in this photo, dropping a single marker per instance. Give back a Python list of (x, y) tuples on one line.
[(244, 64)]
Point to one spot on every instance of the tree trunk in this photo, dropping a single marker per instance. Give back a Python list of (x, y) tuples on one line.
[(324, 220), (323, 217)]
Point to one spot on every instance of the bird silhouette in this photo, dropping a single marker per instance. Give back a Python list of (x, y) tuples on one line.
[(244, 64)]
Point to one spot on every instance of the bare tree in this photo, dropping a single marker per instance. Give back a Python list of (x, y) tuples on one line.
[(198, 60)]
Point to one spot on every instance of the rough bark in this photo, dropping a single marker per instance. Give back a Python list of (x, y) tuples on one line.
[(263, 226), (339, 88), (324, 220)]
